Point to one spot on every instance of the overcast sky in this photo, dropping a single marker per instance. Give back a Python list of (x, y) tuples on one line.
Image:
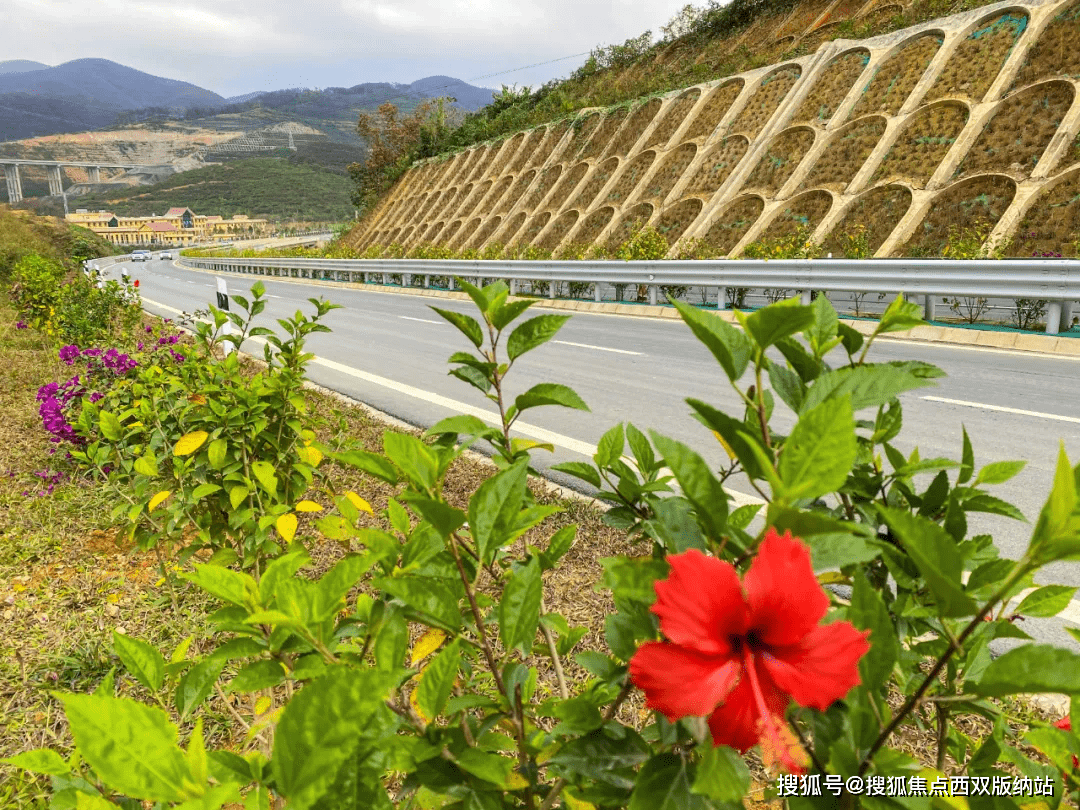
[(238, 46)]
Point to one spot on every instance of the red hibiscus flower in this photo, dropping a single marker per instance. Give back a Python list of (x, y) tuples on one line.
[(1065, 724), (739, 652), (136, 283)]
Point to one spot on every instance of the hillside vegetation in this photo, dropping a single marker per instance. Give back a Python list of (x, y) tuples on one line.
[(24, 234)]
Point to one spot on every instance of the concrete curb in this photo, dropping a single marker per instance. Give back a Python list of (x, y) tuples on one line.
[(931, 333)]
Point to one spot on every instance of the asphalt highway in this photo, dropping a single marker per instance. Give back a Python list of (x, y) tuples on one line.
[(389, 350)]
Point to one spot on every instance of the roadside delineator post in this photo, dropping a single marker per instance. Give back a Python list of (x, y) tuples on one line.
[(223, 304)]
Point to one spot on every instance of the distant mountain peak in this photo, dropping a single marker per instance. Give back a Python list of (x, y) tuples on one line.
[(21, 66)]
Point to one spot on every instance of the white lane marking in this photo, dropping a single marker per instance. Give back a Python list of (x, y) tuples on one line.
[(1003, 409), (598, 348), (492, 418), (421, 320)]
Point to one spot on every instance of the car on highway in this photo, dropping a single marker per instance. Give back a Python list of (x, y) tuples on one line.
[(166, 254), (140, 256)]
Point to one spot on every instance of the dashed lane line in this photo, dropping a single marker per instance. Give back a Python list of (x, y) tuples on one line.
[(1002, 409)]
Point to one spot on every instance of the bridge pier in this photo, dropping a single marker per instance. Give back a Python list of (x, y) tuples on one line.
[(14, 183), (93, 174), (56, 181)]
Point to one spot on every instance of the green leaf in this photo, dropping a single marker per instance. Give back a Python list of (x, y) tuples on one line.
[(580, 469), (258, 675), (370, 463), (833, 543), (441, 515), (868, 612), (1031, 668), (146, 465), (110, 426), (279, 570), (967, 465), (41, 760), (467, 325), (999, 472), (131, 747), (730, 346), (519, 610), (479, 296), (819, 453), (237, 495), (788, 385), (532, 333), (493, 768), (504, 314), (232, 586), (322, 726), (550, 394), (264, 474), (425, 596), (826, 322), (850, 337), (197, 683), (412, 457), (1057, 532), (437, 680), (610, 448), (872, 384), (935, 554), (493, 509), (216, 453), (202, 490), (141, 660), (899, 316), (745, 446), (699, 485), (1048, 600), (779, 320), (722, 774), (664, 784), (633, 578), (461, 424)]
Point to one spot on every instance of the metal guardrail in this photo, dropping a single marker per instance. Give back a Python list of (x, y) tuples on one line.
[(1056, 281)]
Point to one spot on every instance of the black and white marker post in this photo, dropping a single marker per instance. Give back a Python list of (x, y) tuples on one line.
[(223, 304)]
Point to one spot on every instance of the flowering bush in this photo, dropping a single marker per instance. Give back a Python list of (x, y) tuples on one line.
[(426, 669)]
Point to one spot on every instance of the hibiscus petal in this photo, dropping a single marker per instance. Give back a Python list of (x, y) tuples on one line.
[(786, 602), (701, 603), (822, 668), (737, 722), (679, 682)]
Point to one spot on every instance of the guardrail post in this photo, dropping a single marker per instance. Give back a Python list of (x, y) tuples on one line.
[(721, 299), (450, 283), (929, 308), (513, 286), (652, 294), (596, 292), (1053, 317), (804, 297), (1066, 315), (427, 282), (406, 279), (551, 289), (384, 279)]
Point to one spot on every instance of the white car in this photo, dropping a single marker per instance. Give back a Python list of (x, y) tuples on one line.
[(166, 254), (140, 256)]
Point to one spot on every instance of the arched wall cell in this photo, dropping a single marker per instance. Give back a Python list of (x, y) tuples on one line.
[(528, 149), (976, 202), (875, 214), (547, 180), (920, 147), (675, 219), (716, 105), (509, 153), (567, 185), (628, 179), (783, 155), (833, 84), (632, 221), (532, 228), (434, 233), (1021, 129), (977, 60), (518, 190), (594, 225), (507, 234), (496, 194), (802, 212), (467, 232), (1051, 224), (673, 118), (669, 173), (448, 236), (760, 108), (897, 76), (718, 164), (491, 224), (727, 228), (554, 137), (599, 179), (634, 127), (474, 199), (558, 230), (1057, 51), (844, 154), (583, 130), (601, 138)]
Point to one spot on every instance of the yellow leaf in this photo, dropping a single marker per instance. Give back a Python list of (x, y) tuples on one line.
[(155, 502), (189, 443), (286, 526), (310, 455), (518, 782), (18, 587), (160, 582), (197, 399), (832, 578), (725, 445), (574, 803), (308, 506), (262, 704), (113, 598), (428, 643), (359, 503), (416, 707)]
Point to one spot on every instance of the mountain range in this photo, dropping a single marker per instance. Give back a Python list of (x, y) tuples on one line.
[(88, 94)]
